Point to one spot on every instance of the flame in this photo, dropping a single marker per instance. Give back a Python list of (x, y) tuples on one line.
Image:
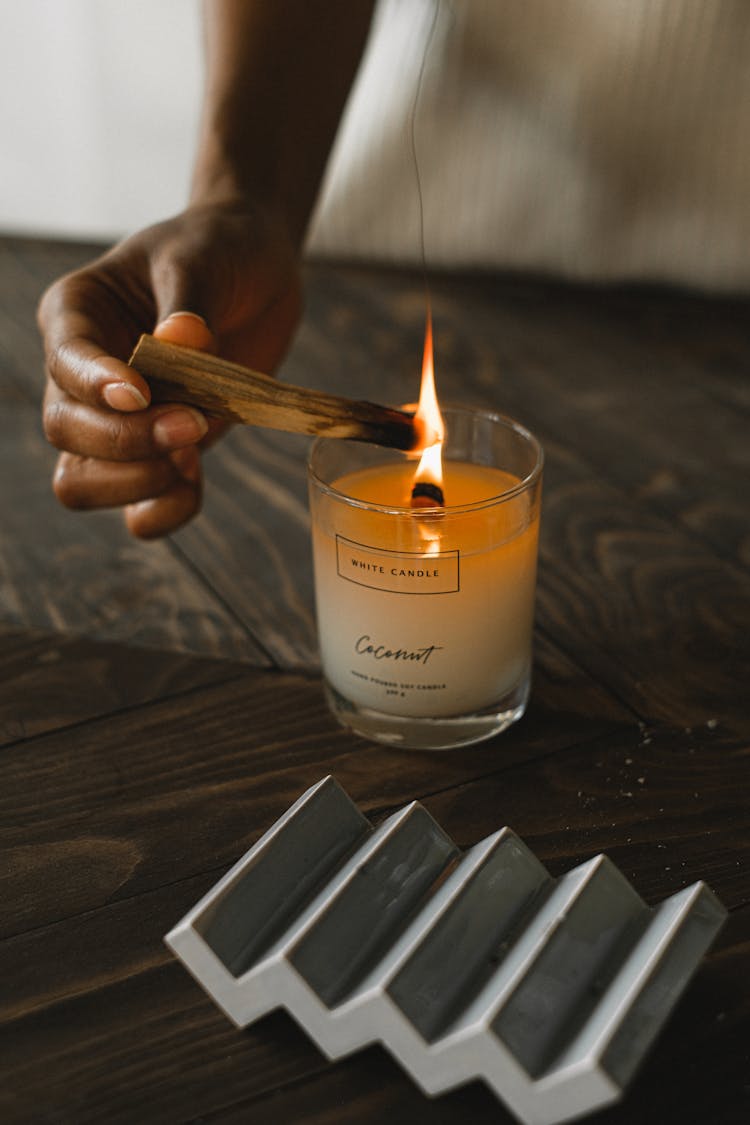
[(428, 416), (432, 428)]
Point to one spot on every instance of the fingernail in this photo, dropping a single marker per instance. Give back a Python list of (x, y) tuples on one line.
[(123, 396), (187, 461), (186, 328), (140, 508), (181, 313), (178, 428)]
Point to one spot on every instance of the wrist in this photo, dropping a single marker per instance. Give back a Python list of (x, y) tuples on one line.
[(223, 176)]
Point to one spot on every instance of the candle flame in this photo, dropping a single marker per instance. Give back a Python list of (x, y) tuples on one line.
[(428, 417), (432, 428)]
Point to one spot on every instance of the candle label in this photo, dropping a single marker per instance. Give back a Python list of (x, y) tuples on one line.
[(397, 572)]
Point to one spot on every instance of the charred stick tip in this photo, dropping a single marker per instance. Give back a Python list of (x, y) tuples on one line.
[(424, 494)]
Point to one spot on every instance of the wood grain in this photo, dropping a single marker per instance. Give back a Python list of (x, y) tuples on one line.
[(252, 542), (49, 681), (106, 806), (131, 778), (83, 573), (669, 807), (72, 1014), (122, 812)]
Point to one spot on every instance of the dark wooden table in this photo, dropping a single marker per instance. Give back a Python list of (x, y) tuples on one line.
[(160, 706)]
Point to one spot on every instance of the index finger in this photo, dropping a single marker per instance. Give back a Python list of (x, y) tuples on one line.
[(78, 356)]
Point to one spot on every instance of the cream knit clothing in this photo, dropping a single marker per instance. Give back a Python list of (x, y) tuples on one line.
[(604, 139)]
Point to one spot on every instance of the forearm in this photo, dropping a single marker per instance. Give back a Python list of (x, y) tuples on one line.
[(278, 73)]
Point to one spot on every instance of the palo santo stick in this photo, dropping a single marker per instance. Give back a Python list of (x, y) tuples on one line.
[(228, 390)]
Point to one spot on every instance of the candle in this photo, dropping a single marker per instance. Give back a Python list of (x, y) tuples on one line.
[(425, 614)]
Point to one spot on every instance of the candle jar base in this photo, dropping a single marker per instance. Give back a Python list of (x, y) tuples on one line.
[(449, 733)]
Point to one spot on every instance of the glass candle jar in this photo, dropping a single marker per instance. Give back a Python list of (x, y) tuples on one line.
[(425, 616)]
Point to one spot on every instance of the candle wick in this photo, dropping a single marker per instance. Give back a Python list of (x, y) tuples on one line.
[(425, 494)]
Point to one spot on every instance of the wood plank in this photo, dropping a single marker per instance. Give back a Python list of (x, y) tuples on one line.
[(653, 614), (83, 573), (94, 950), (29, 264), (704, 335), (252, 541), (146, 1050), (27, 267), (77, 990), (640, 416), (115, 825), (70, 1015), (48, 681), (106, 807), (679, 820), (669, 807)]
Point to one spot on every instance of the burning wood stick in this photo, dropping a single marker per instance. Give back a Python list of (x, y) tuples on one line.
[(228, 390)]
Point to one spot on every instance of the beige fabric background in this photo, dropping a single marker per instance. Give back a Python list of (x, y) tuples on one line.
[(597, 138)]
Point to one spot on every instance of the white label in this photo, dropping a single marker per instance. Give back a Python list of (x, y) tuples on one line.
[(396, 572)]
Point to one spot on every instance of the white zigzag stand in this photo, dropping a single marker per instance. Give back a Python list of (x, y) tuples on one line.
[(474, 965)]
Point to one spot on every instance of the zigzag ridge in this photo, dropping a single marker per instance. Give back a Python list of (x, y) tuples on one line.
[(465, 966)]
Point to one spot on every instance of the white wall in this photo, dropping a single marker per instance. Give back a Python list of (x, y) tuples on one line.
[(598, 138), (98, 113)]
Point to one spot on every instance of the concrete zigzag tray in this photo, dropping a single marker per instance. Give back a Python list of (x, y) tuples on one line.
[(474, 965)]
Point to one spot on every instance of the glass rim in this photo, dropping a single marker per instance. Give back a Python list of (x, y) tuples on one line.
[(524, 484)]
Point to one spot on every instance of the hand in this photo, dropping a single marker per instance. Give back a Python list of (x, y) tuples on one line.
[(223, 277)]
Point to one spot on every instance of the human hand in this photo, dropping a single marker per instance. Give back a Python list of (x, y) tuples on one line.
[(227, 263)]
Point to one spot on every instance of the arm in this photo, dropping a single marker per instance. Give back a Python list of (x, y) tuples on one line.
[(278, 75), (277, 78)]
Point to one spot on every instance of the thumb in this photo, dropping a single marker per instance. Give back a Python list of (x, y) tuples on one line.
[(188, 329), (191, 331), (180, 270)]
